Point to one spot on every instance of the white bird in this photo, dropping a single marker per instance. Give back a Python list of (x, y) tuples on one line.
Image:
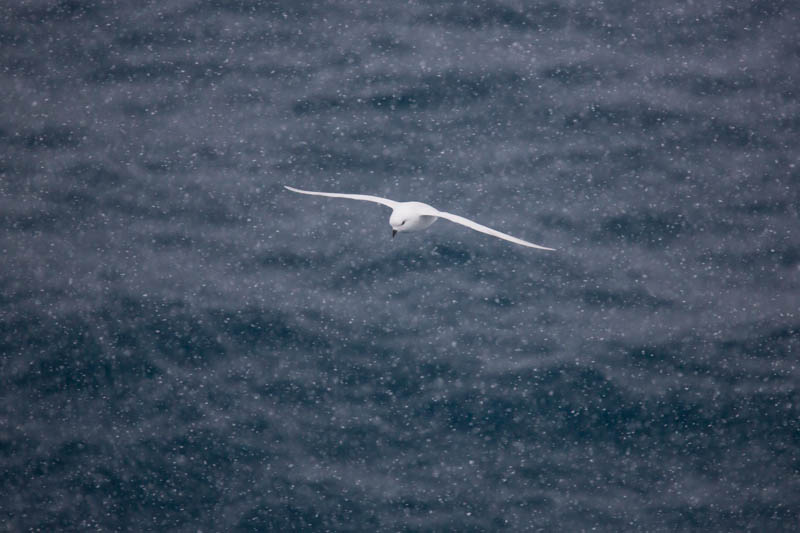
[(416, 216)]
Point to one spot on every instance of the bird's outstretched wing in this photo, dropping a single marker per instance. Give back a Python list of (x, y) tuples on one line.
[(483, 229), (365, 197)]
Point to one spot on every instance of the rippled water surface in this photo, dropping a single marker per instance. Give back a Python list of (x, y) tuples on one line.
[(187, 346)]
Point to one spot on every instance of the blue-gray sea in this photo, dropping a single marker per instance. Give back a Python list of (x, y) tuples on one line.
[(185, 345)]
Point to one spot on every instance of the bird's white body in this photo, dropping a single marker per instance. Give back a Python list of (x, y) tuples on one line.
[(412, 216), (416, 216)]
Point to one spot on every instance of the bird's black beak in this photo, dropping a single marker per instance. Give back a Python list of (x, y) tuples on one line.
[(394, 232)]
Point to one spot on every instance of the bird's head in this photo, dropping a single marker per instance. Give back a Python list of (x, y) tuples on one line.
[(398, 221)]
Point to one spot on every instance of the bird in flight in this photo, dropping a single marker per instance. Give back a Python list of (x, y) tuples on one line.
[(416, 216)]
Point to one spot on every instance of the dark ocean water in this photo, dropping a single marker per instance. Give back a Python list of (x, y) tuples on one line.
[(186, 346)]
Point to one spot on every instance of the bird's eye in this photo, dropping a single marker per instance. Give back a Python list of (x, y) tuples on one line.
[(403, 222)]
